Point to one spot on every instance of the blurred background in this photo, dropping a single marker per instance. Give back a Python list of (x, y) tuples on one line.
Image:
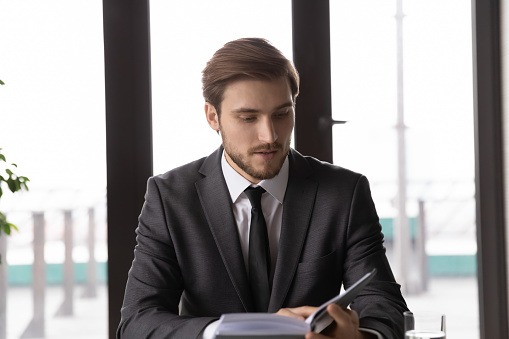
[(52, 125)]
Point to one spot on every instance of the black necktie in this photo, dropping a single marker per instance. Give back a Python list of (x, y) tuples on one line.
[(259, 253)]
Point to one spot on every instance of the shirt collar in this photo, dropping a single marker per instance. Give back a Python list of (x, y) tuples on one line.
[(237, 183)]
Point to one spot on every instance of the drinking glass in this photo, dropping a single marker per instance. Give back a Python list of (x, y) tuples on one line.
[(424, 325)]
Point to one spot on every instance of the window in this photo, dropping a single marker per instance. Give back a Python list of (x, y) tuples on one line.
[(53, 126), (438, 114)]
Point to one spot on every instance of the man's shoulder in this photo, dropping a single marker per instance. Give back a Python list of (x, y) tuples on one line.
[(193, 170), (322, 170), (185, 172)]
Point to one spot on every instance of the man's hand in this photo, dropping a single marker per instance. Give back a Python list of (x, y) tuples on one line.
[(345, 326), (297, 312)]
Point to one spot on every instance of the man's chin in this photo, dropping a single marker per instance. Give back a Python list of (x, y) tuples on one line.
[(265, 173), (258, 167)]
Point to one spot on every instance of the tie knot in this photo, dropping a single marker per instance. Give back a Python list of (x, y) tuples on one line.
[(255, 195)]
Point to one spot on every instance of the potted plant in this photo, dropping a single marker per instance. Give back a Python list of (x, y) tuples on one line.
[(14, 183)]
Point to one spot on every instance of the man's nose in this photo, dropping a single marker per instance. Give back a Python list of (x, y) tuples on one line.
[(267, 132)]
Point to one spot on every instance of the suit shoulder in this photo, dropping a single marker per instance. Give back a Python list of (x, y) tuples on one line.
[(187, 173), (322, 169)]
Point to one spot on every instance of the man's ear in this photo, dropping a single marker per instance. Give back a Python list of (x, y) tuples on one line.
[(212, 116)]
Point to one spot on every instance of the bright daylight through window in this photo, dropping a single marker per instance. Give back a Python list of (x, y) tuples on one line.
[(53, 127), (407, 100)]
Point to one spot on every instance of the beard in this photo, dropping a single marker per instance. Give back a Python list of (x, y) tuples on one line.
[(270, 170)]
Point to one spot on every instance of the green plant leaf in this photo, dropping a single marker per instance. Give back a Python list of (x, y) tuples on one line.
[(11, 184), (24, 183), (6, 227), (2, 83), (17, 184), (14, 183)]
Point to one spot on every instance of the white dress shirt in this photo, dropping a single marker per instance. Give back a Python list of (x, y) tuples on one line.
[(272, 208)]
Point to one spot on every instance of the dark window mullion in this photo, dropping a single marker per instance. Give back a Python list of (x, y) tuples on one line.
[(491, 254), (311, 55), (128, 135)]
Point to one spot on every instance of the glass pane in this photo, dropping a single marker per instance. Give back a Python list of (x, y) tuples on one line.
[(438, 115), (184, 35), (52, 120)]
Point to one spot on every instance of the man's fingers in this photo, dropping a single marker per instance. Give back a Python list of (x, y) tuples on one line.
[(305, 311), (343, 317), (297, 312), (287, 313), (313, 335)]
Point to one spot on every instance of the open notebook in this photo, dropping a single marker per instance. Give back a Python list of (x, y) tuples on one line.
[(267, 325)]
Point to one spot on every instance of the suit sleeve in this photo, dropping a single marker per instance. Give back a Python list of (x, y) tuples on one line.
[(380, 305), (154, 284)]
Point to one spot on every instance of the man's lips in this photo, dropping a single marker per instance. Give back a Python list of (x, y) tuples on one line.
[(267, 151), (272, 149), (267, 155)]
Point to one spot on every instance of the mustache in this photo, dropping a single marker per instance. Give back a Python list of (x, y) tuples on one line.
[(267, 147)]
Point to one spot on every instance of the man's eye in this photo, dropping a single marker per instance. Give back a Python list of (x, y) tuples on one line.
[(282, 114), (248, 119)]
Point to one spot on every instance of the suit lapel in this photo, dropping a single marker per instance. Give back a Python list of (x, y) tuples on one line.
[(297, 208), (217, 205)]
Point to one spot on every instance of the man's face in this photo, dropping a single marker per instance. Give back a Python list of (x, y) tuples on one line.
[(256, 124)]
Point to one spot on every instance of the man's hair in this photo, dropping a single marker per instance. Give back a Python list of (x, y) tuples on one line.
[(248, 58)]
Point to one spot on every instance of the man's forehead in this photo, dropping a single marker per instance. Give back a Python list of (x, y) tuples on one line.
[(248, 109), (253, 93)]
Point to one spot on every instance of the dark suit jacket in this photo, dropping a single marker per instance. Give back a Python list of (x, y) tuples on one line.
[(188, 251)]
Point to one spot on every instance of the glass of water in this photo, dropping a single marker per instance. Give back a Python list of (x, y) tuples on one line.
[(424, 325)]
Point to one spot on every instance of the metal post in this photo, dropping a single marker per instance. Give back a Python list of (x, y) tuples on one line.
[(66, 309), (91, 284), (35, 328), (3, 286), (401, 234), (420, 249)]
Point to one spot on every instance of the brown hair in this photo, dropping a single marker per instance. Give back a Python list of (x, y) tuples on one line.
[(248, 58)]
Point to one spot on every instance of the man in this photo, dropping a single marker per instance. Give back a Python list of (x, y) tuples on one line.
[(198, 242)]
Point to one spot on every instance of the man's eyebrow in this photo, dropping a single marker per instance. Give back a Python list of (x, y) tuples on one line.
[(245, 110), (286, 104), (254, 110)]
